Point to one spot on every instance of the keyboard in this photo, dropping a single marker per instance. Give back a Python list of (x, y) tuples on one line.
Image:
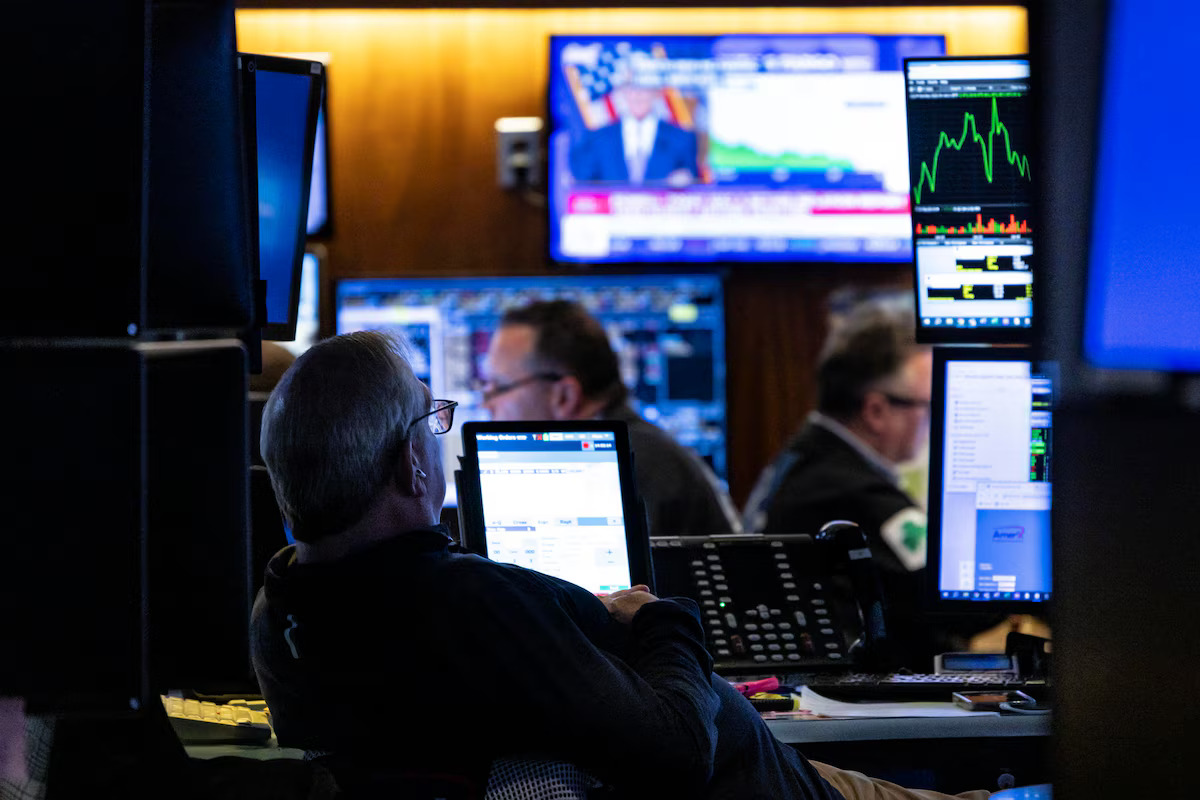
[(205, 722), (903, 687)]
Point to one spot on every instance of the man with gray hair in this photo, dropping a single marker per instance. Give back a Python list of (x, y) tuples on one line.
[(372, 630), (381, 646)]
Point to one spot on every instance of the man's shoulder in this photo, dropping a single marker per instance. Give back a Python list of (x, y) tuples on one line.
[(816, 449), (821, 468)]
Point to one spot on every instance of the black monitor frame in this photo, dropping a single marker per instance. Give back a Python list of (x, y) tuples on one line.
[(470, 500), (967, 335), (249, 65), (933, 599)]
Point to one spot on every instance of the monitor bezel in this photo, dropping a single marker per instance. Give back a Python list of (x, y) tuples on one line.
[(977, 335), (470, 500), (934, 602), (251, 63)]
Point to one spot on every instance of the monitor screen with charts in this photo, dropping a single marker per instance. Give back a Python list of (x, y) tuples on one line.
[(971, 187), (558, 498), (989, 480), (668, 332)]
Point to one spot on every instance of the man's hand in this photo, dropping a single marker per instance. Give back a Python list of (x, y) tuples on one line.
[(624, 603)]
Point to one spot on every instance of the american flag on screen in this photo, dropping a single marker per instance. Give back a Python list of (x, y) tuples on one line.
[(593, 71)]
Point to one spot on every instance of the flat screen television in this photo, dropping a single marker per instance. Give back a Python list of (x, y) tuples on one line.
[(730, 148), (668, 332), (969, 142), (284, 95)]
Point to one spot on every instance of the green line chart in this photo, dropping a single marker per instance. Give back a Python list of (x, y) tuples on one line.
[(928, 172)]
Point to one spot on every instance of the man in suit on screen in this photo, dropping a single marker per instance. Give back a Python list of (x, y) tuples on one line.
[(639, 148)]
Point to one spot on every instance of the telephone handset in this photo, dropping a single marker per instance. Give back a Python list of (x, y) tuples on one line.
[(772, 602)]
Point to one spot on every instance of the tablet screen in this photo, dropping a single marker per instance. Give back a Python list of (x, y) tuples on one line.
[(554, 501)]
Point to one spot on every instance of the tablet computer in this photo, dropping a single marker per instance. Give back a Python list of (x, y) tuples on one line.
[(556, 497)]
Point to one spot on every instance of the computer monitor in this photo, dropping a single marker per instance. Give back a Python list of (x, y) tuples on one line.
[(971, 186), (990, 469), (752, 148), (668, 332), (285, 95), (1139, 309)]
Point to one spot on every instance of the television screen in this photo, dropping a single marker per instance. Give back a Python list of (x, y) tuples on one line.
[(972, 184), (286, 96), (732, 148), (668, 332)]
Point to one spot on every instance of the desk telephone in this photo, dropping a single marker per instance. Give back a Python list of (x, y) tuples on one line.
[(773, 601)]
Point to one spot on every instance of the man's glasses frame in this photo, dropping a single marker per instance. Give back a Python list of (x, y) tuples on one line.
[(498, 389), (440, 417)]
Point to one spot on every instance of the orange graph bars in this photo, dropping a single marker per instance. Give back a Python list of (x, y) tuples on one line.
[(1014, 225)]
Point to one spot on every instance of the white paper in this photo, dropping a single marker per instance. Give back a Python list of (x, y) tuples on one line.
[(817, 704)]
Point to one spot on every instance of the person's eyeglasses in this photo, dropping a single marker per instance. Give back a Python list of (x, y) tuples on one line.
[(905, 402), (440, 417), (497, 389)]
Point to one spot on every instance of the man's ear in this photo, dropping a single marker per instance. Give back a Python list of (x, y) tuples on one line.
[(875, 411), (408, 476), (566, 398)]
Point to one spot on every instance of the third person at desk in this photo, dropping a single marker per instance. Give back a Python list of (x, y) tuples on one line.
[(551, 360), (873, 400)]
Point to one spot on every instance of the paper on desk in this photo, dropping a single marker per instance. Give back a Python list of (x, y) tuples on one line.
[(836, 708)]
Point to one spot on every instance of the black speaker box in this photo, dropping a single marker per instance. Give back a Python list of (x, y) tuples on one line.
[(127, 211), (125, 493)]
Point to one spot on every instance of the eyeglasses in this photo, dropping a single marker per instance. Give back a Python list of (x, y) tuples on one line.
[(498, 389), (905, 402), (440, 417)]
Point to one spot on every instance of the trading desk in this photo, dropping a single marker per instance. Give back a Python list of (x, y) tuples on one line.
[(801, 731), (951, 754)]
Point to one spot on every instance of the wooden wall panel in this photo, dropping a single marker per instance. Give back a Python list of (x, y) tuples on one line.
[(413, 97)]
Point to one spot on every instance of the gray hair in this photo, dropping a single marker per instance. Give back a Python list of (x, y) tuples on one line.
[(331, 428), (867, 344)]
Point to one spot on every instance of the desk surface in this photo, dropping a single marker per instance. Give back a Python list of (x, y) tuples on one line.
[(788, 731), (796, 731)]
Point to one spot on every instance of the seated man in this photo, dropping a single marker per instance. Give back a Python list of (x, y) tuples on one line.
[(873, 396), (552, 360), (377, 642)]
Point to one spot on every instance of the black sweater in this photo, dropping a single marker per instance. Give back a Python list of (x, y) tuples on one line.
[(411, 655)]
